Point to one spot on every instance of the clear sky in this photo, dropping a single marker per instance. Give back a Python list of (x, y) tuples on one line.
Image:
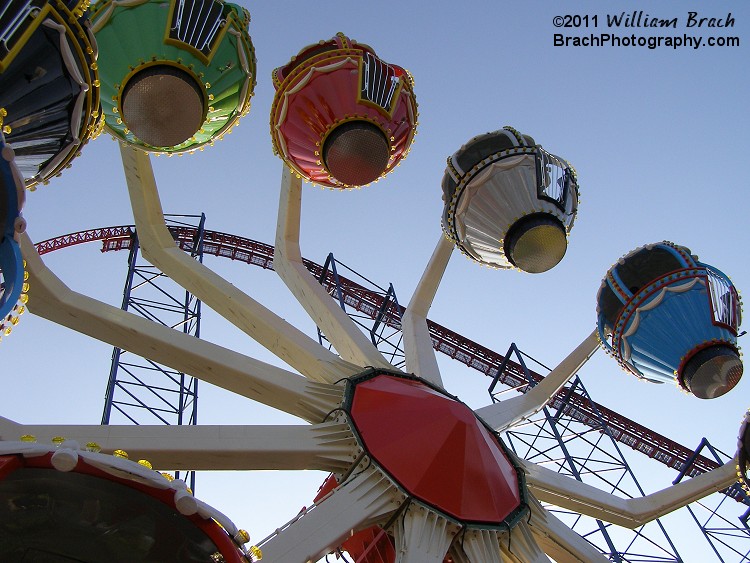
[(658, 137)]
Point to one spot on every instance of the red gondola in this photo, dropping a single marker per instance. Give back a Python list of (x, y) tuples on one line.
[(64, 503), (341, 116)]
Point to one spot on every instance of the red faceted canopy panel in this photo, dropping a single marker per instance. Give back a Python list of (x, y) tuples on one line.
[(436, 448)]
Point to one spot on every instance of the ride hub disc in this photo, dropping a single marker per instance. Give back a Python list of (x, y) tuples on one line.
[(454, 463), (356, 153), (163, 106), (536, 243)]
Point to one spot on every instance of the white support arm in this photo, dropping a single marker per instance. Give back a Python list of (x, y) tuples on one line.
[(423, 536), (325, 447), (51, 299), (420, 355), (339, 329), (568, 493), (505, 414), (268, 329), (482, 546), (558, 540), (494, 546), (362, 501)]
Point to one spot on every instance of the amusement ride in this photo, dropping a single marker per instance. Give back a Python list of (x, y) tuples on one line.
[(415, 474)]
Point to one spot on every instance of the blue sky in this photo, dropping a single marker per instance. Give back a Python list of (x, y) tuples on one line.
[(658, 138)]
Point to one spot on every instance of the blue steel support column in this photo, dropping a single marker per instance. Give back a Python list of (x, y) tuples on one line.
[(116, 352), (374, 320), (140, 391), (390, 302), (716, 528)]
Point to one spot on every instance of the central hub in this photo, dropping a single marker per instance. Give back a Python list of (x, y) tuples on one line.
[(436, 449)]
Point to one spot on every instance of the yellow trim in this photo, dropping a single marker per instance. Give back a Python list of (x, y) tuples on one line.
[(6, 62), (81, 8), (345, 43), (97, 127), (452, 167), (231, 19), (327, 57), (275, 78)]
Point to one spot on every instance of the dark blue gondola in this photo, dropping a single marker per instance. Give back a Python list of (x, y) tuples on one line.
[(12, 294), (49, 86)]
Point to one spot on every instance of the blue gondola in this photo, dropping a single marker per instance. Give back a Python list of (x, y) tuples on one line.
[(11, 224), (666, 317)]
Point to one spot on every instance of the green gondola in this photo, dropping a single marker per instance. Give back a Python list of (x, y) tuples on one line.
[(175, 74)]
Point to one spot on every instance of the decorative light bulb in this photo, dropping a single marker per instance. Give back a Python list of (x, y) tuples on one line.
[(255, 553)]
